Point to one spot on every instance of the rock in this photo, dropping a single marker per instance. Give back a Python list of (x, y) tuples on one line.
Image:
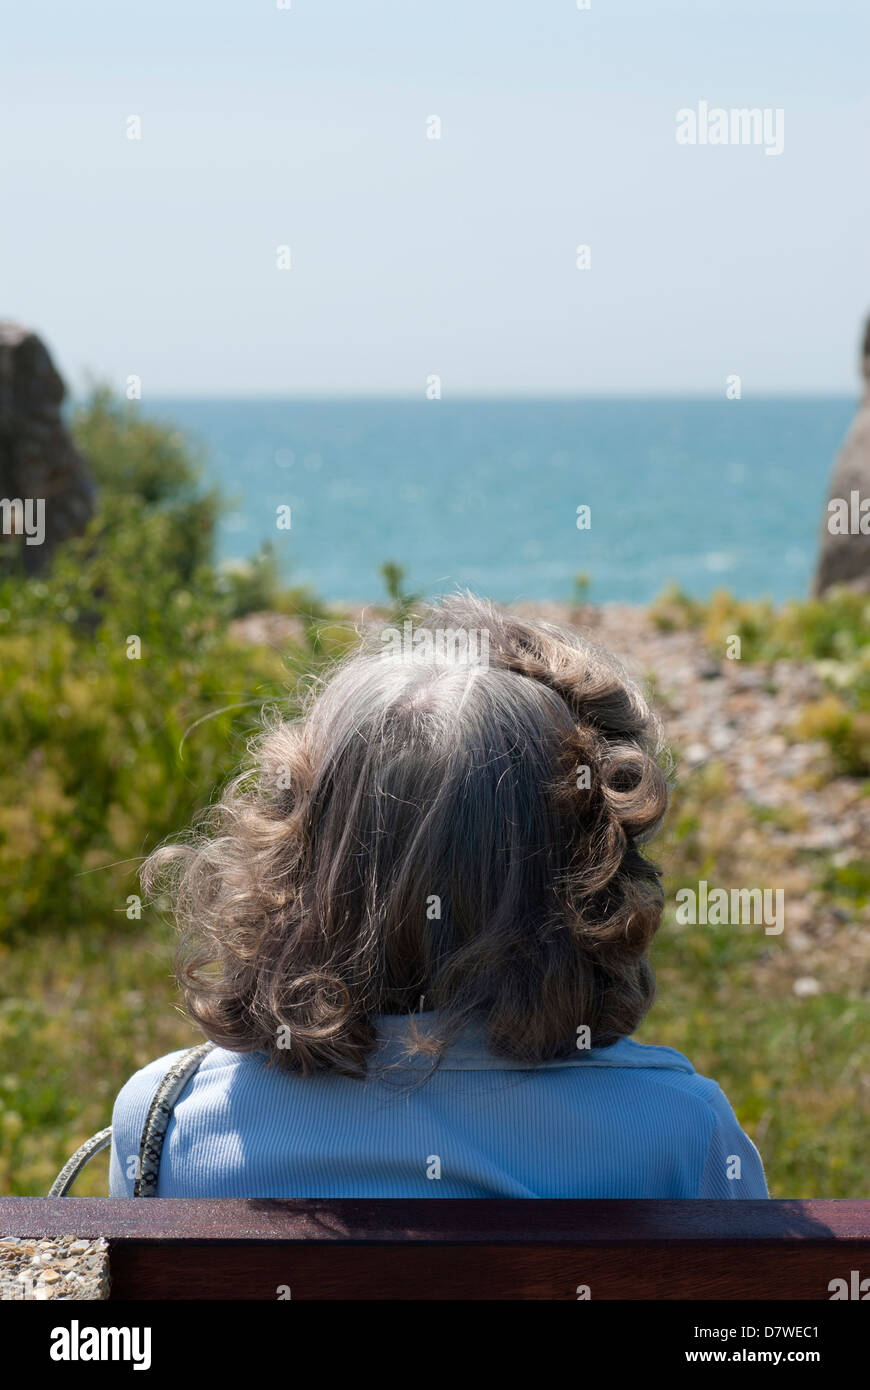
[(696, 753), (749, 678), (806, 986), (268, 629), (845, 558), (38, 459), (798, 940)]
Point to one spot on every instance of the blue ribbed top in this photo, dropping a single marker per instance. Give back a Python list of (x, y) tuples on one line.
[(624, 1121)]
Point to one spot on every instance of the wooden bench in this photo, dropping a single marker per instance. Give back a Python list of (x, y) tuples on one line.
[(447, 1249)]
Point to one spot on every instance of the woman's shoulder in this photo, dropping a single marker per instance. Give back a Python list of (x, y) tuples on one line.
[(732, 1165), (649, 1063), (153, 1071), (135, 1097), (142, 1085), (628, 1052), (667, 1066)]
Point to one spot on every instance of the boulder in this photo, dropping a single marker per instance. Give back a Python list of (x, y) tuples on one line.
[(39, 462), (844, 554)]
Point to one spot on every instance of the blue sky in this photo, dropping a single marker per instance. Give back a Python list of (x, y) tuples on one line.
[(307, 127)]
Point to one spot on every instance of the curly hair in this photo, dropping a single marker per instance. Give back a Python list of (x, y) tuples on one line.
[(434, 827)]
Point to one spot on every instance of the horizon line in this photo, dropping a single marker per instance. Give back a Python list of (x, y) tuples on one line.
[(483, 396)]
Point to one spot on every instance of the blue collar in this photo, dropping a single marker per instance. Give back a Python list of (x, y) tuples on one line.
[(470, 1052)]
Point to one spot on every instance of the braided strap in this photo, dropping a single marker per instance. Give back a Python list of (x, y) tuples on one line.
[(159, 1115), (71, 1169)]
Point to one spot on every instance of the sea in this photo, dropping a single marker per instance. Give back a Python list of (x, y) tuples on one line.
[(518, 499)]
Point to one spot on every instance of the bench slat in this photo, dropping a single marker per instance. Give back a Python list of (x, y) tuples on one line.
[(443, 1248)]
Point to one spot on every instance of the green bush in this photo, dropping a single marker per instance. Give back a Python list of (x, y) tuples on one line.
[(123, 697)]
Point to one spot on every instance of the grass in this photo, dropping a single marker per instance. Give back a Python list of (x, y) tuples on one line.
[(794, 1068)]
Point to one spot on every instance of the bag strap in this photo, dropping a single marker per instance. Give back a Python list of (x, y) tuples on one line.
[(159, 1115), (71, 1169)]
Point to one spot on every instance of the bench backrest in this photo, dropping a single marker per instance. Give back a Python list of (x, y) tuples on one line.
[(440, 1248)]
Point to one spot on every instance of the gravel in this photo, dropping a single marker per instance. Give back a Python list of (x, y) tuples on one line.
[(65, 1269)]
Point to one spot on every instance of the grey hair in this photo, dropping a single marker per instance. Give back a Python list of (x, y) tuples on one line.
[(433, 824)]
